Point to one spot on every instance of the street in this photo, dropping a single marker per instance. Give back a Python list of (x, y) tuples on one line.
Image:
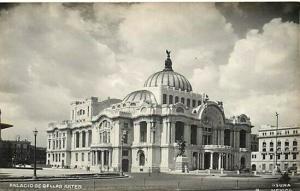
[(142, 181)]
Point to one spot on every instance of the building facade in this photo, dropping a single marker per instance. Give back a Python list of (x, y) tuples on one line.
[(139, 133), (286, 140), (20, 152)]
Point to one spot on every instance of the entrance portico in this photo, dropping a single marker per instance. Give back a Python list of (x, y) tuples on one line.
[(102, 158), (217, 157)]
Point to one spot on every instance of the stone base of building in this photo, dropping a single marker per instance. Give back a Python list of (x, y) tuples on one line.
[(182, 164)]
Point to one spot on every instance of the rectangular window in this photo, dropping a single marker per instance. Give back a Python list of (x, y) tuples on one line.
[(76, 157), (125, 137), (263, 156), (194, 103), (278, 156), (263, 166), (49, 144), (194, 135), (125, 125), (88, 111), (164, 98), (271, 157), (286, 156), (82, 156), (125, 152), (294, 156), (64, 143), (143, 132), (170, 99), (89, 156)]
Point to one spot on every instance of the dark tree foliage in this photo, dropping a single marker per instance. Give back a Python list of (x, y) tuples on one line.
[(181, 146)]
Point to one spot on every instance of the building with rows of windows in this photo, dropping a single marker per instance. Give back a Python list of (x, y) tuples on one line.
[(287, 149), (139, 132)]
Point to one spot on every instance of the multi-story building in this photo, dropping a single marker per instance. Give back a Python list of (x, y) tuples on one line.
[(285, 140), (139, 133)]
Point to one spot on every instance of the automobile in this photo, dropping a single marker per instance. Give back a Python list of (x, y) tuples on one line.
[(292, 169)]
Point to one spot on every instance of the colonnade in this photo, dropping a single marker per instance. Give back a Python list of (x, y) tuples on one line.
[(224, 160), (102, 158)]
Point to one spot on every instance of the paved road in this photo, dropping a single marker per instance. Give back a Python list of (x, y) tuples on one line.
[(145, 182)]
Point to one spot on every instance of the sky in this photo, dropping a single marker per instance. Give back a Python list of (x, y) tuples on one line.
[(244, 54)]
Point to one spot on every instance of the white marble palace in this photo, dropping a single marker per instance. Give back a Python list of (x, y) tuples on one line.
[(139, 133)]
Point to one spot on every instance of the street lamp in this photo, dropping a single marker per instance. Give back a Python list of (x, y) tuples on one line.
[(35, 132)]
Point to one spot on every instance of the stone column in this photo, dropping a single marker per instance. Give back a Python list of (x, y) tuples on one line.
[(172, 132), (92, 157), (199, 161), (167, 132), (203, 160), (211, 160), (227, 163), (187, 133), (220, 161), (96, 157), (102, 159), (109, 158), (148, 132), (222, 136)]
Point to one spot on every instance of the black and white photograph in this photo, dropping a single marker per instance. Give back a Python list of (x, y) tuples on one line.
[(155, 96)]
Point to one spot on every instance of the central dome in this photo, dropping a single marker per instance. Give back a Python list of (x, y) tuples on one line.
[(168, 77)]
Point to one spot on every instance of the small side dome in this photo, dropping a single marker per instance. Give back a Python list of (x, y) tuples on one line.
[(141, 96)]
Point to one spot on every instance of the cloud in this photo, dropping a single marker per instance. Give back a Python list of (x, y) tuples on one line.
[(262, 75)]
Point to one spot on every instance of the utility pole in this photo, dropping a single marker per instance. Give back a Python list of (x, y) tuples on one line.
[(276, 140)]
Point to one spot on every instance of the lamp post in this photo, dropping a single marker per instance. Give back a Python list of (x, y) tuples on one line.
[(276, 140), (35, 132)]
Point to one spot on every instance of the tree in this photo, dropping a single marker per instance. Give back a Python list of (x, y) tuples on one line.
[(181, 146)]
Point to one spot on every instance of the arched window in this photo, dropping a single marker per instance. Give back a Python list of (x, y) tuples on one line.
[(188, 102), (242, 139), (141, 156), (243, 120), (179, 130), (176, 99), (179, 110), (182, 100), (271, 144)]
